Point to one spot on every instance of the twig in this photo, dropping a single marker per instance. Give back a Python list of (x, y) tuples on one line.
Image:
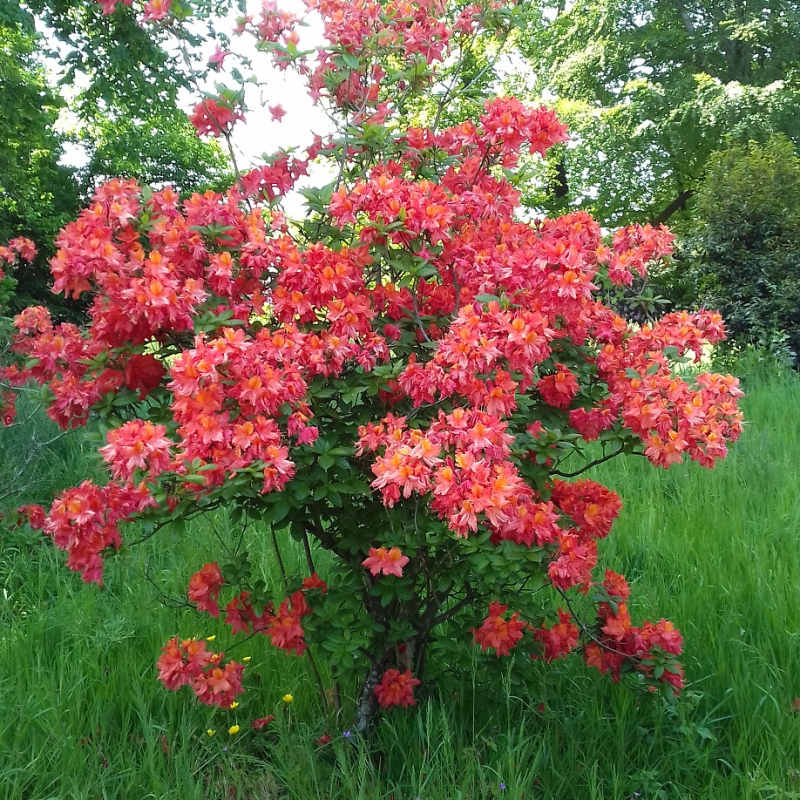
[(585, 630), (337, 691), (163, 598), (226, 134), (317, 678), (278, 554), (451, 612), (307, 548), (417, 317), (164, 523), (243, 641), (593, 464)]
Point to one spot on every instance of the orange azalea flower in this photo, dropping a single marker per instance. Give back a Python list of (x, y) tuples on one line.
[(396, 688), (204, 588), (497, 632), (386, 562)]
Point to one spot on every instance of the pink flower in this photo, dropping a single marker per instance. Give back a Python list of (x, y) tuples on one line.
[(278, 112), (396, 688), (216, 119), (156, 10), (387, 562), (138, 444), (218, 57)]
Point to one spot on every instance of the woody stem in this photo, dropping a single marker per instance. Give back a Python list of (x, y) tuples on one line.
[(317, 678), (278, 555)]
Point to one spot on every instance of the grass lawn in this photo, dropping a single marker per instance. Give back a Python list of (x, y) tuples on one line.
[(83, 717)]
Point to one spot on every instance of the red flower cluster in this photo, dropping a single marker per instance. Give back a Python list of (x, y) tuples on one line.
[(204, 588), (34, 515), (558, 389), (84, 522), (397, 29), (591, 506), (396, 688), (109, 6), (633, 248), (478, 478), (482, 341), (214, 117), (241, 616), (137, 445), (383, 561), (509, 125), (156, 10), (590, 509), (284, 629), (498, 632), (189, 663), (315, 582), (622, 643), (422, 211), (560, 639), (670, 416), (20, 247), (249, 371), (273, 180), (59, 357), (575, 559)]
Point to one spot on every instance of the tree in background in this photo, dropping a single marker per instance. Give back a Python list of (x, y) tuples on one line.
[(121, 64), (649, 88), (127, 82), (742, 253), (127, 121), (162, 149), (37, 193)]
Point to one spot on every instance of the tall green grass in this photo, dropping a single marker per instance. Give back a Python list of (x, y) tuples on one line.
[(82, 716)]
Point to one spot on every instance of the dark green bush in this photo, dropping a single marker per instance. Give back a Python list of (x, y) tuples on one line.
[(742, 255)]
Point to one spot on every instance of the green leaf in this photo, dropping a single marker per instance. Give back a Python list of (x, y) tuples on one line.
[(281, 507), (326, 461)]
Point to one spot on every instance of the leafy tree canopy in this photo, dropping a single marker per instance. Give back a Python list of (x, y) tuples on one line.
[(119, 63), (37, 194), (127, 120), (160, 150), (743, 253), (649, 87)]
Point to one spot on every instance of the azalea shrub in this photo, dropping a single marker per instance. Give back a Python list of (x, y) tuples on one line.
[(409, 382), (19, 252)]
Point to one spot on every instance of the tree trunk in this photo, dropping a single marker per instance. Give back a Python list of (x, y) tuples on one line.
[(678, 204), (367, 702)]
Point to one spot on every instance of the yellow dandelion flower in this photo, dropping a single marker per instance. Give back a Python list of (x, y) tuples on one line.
[(246, 659), (210, 638), (210, 731), (287, 698), (233, 730), (234, 705)]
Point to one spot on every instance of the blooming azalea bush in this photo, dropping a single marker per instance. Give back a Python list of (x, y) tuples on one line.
[(410, 381), (18, 253)]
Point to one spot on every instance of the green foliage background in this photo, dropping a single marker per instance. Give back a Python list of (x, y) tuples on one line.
[(650, 87), (124, 89), (741, 254)]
